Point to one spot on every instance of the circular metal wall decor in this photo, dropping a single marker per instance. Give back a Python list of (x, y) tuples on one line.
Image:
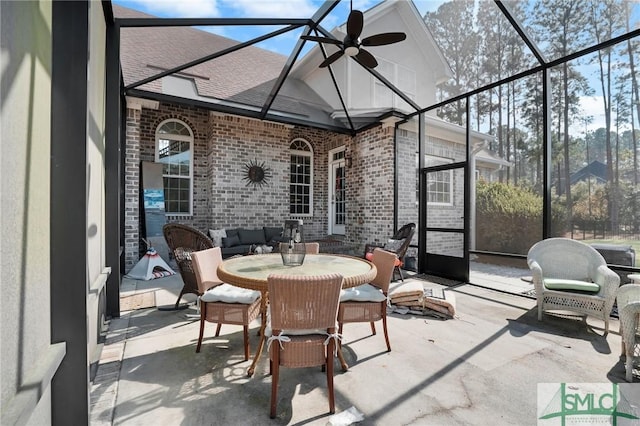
[(256, 173)]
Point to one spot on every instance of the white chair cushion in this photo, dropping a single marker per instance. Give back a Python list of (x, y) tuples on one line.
[(362, 293), (571, 285), (228, 293)]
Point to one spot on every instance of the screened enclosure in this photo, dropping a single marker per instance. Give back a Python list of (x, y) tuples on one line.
[(529, 132)]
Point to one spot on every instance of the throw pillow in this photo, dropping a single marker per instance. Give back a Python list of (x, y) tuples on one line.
[(216, 236), (272, 232), (232, 232), (393, 245), (231, 241)]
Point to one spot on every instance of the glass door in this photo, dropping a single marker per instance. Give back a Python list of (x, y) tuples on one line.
[(445, 192), (337, 194)]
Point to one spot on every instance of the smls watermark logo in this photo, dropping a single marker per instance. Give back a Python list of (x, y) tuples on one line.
[(588, 404)]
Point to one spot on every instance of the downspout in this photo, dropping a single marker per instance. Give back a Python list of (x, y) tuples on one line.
[(472, 190)]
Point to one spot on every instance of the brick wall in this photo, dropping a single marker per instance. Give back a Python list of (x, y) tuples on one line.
[(132, 188), (370, 198), (223, 146)]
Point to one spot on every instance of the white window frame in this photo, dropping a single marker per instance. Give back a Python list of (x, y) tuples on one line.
[(432, 160), (392, 71), (181, 138), (303, 153)]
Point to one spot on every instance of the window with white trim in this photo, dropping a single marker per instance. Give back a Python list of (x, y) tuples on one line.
[(174, 149), (439, 184), (401, 77), (301, 178)]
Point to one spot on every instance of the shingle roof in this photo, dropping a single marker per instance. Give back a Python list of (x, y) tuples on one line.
[(245, 76)]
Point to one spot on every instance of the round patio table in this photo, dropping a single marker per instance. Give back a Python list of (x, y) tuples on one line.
[(252, 272)]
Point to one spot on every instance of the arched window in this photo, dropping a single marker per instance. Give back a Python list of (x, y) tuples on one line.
[(301, 178), (174, 149)]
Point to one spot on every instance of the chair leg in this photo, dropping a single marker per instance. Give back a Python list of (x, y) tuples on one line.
[(340, 333), (246, 342), (275, 366), (400, 272), (629, 363), (384, 326), (373, 328), (539, 311), (329, 363), (343, 363), (218, 329), (203, 315), (182, 292)]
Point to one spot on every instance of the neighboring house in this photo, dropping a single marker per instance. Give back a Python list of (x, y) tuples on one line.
[(342, 161), (595, 170)]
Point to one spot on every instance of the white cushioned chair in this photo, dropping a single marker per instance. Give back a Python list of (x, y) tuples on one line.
[(629, 310), (569, 275), (368, 302)]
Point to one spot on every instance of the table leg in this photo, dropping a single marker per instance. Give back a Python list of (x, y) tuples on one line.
[(263, 326)]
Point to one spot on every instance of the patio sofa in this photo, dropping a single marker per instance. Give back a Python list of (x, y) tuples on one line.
[(241, 240)]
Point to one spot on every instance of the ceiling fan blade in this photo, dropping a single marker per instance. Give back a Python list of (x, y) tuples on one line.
[(382, 39), (367, 59), (354, 24), (322, 39), (331, 59)]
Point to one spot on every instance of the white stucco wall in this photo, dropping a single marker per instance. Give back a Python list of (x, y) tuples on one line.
[(96, 272), (25, 102)]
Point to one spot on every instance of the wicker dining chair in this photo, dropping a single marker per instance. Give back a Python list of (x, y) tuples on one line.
[(222, 303), (398, 244), (368, 302), (312, 248), (182, 241), (629, 312), (303, 311)]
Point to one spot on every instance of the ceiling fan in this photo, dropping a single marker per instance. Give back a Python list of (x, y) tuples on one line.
[(353, 46)]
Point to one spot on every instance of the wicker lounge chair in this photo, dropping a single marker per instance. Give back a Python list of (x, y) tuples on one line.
[(303, 319), (368, 302), (629, 311), (222, 303), (398, 244), (572, 276), (182, 240)]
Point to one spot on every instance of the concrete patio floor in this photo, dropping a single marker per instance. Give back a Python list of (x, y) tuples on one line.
[(480, 368)]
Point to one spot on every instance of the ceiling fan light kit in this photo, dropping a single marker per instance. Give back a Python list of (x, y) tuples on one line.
[(352, 45)]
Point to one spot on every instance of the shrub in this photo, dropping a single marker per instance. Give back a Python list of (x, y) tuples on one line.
[(508, 218)]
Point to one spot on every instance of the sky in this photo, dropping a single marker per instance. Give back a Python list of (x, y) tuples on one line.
[(259, 9)]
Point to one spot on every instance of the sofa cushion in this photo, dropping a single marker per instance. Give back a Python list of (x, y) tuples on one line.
[(241, 249), (251, 236), (231, 241), (571, 285), (272, 232)]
